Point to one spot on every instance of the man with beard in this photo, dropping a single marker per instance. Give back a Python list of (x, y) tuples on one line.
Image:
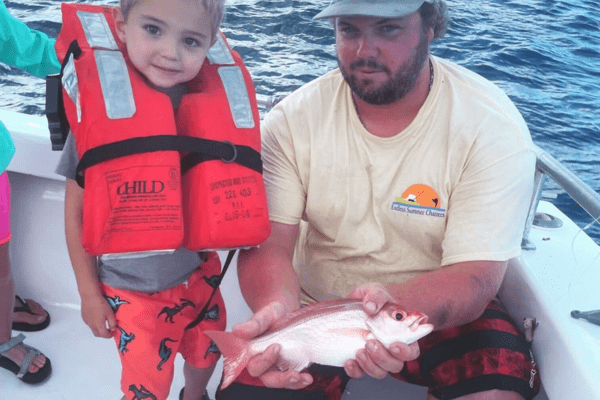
[(398, 177)]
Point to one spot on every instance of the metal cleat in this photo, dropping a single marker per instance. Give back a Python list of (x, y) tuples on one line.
[(591, 316)]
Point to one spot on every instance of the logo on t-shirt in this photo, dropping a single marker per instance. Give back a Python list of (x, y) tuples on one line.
[(419, 199)]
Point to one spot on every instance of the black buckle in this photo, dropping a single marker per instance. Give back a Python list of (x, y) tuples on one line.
[(235, 153), (55, 113)]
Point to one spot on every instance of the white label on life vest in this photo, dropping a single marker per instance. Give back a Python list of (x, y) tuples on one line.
[(97, 31), (144, 198), (115, 83), (219, 53), (237, 96), (70, 84)]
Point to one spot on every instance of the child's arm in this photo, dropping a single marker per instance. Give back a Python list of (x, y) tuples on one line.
[(95, 310), (27, 49)]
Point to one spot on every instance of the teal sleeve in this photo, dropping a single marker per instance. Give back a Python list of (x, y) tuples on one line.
[(7, 148), (24, 48)]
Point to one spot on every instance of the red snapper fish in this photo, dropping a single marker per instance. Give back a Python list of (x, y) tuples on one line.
[(327, 333)]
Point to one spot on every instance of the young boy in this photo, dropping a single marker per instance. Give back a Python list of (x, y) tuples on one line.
[(151, 300)]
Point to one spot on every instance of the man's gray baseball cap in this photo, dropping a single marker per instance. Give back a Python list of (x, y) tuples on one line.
[(371, 8)]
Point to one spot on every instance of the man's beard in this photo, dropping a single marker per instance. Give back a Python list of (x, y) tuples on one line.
[(397, 86)]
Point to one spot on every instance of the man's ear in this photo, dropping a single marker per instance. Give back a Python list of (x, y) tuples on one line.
[(430, 35), (119, 23)]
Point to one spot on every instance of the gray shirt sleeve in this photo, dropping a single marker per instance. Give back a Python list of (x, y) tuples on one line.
[(67, 164)]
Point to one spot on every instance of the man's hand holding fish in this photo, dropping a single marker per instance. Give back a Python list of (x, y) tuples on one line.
[(326, 333), (375, 360), (263, 364)]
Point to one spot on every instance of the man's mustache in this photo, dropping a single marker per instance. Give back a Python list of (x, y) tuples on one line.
[(369, 63)]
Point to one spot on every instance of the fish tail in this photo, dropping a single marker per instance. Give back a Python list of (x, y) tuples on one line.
[(235, 350)]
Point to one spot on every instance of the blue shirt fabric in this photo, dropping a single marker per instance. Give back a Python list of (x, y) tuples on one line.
[(29, 50)]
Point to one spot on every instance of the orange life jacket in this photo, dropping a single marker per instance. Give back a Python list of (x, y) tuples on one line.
[(154, 179)]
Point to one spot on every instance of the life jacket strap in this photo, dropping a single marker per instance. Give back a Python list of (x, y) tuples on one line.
[(204, 310), (199, 150), (58, 124)]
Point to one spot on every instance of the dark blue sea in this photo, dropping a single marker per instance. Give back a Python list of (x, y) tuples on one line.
[(544, 53)]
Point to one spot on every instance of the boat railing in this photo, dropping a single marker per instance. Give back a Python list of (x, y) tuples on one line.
[(584, 195), (268, 102)]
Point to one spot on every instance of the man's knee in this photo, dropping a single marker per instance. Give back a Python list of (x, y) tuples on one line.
[(329, 384)]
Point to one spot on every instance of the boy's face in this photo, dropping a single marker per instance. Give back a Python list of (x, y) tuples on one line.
[(167, 40)]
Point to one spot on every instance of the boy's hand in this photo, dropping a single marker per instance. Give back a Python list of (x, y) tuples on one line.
[(97, 314)]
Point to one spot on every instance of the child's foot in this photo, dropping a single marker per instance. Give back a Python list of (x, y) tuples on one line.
[(29, 316), (26, 362), (18, 353)]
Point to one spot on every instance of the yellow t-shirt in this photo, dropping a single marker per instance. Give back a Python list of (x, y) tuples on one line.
[(454, 186)]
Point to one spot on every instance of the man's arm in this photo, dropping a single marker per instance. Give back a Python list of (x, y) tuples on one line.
[(266, 273), (272, 289), (453, 295)]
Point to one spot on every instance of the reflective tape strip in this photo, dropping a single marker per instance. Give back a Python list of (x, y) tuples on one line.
[(97, 31), (237, 96), (219, 53), (70, 84), (115, 83)]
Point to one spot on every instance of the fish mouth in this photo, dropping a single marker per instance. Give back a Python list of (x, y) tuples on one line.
[(418, 322)]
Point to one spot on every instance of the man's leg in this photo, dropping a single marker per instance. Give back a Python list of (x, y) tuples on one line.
[(329, 384), (486, 359)]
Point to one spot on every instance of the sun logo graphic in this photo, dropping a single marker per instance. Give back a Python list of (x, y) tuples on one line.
[(421, 200)]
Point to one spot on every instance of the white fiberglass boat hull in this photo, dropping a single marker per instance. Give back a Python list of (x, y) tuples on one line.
[(561, 275)]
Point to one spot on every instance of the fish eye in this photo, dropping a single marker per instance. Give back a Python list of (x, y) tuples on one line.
[(398, 316)]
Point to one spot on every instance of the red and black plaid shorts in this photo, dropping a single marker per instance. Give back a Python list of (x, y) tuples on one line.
[(486, 354)]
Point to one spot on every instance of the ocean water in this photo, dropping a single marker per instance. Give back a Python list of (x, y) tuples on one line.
[(545, 54)]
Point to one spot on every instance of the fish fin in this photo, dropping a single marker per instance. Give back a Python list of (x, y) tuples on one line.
[(293, 358), (235, 350), (233, 367), (229, 344)]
